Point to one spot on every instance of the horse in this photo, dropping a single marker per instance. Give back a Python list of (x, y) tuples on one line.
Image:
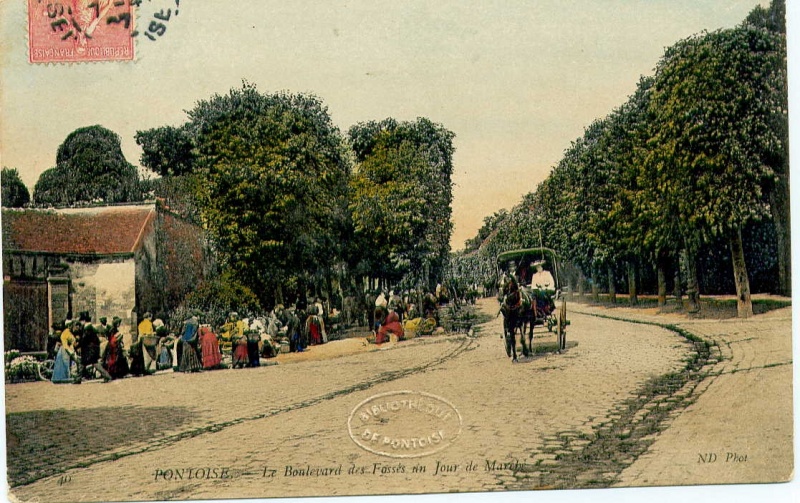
[(518, 312)]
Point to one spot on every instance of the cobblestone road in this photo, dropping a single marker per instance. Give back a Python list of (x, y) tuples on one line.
[(580, 419)]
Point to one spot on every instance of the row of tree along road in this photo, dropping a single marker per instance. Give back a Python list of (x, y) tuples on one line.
[(687, 178)]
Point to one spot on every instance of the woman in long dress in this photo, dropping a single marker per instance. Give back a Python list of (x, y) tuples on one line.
[(315, 327), (236, 328), (136, 353), (115, 362), (90, 353), (390, 325), (166, 343), (212, 357), (190, 362), (65, 355)]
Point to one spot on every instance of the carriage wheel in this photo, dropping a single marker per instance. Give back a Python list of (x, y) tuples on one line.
[(562, 326)]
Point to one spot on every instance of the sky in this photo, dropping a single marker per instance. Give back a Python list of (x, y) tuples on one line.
[(516, 81)]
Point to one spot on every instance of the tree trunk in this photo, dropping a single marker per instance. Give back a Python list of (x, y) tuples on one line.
[(279, 294), (581, 283), (595, 290), (692, 287), (779, 202), (612, 287), (744, 305), (677, 290), (632, 294), (662, 283)]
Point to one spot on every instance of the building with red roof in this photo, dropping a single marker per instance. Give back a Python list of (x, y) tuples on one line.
[(110, 261)]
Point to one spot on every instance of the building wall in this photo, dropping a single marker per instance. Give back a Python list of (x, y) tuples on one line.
[(25, 315), (104, 286), (105, 289), (182, 261)]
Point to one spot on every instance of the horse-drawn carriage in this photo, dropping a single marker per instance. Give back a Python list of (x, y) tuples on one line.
[(529, 288)]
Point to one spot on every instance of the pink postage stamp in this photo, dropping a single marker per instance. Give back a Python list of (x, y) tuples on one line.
[(70, 31)]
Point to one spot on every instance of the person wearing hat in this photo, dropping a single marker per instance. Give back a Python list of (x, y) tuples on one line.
[(542, 279), (508, 281), (543, 285), (190, 360)]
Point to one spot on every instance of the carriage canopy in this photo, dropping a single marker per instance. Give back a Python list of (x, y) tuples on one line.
[(525, 258)]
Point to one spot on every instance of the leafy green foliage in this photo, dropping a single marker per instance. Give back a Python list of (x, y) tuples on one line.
[(217, 297), (400, 199), (772, 18), (89, 167), (15, 193), (167, 150), (273, 173), (490, 225), (714, 131)]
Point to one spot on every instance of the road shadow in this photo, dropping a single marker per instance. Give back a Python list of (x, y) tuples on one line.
[(45, 442)]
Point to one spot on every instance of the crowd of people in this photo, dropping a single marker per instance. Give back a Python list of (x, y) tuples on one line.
[(81, 349)]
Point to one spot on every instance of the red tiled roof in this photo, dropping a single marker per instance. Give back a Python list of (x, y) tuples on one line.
[(87, 231)]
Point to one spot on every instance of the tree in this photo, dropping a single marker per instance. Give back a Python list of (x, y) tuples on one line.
[(15, 193), (401, 195), (274, 174), (167, 150), (774, 19), (716, 100), (217, 297), (489, 226), (89, 167)]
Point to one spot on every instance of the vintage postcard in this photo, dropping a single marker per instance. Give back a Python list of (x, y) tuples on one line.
[(262, 249)]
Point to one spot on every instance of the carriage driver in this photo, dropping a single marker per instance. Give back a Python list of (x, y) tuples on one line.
[(508, 281)]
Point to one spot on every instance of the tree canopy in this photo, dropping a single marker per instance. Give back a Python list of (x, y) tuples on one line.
[(273, 172), (15, 193), (167, 150), (400, 201), (90, 166)]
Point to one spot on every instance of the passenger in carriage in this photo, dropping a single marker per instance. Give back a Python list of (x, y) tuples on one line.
[(543, 286), (508, 281), (542, 279), (523, 274)]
